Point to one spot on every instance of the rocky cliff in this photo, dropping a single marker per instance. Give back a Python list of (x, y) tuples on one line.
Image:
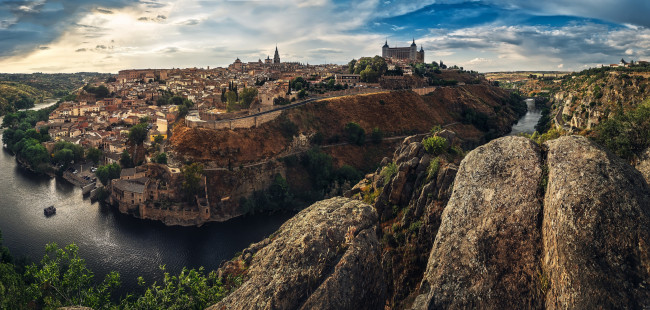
[(515, 225)]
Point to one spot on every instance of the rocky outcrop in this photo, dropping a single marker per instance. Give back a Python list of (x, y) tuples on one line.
[(502, 243), (325, 257), (486, 251), (644, 165), (596, 229)]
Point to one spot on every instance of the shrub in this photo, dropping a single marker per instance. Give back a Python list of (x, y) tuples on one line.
[(388, 172), (376, 136), (433, 168), (435, 145), (355, 133)]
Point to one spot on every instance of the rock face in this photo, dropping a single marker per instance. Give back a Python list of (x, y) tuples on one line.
[(325, 257), (486, 251), (583, 244), (644, 165), (596, 229)]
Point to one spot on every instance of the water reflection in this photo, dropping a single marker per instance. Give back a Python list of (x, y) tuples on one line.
[(527, 123)]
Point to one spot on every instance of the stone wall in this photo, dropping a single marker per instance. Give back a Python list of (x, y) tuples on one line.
[(245, 122)]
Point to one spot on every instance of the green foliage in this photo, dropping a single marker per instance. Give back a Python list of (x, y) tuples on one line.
[(435, 145), (108, 172), (626, 134), (62, 279), (377, 135), (288, 128), (100, 91), (370, 69), (355, 133), (349, 173), (15, 96), (319, 166), (476, 118), (191, 289), (95, 155), (161, 158), (125, 160), (388, 172), (138, 133), (248, 95), (432, 170), (276, 197), (231, 101), (192, 176)]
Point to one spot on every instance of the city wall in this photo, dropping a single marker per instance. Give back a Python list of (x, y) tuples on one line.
[(245, 122)]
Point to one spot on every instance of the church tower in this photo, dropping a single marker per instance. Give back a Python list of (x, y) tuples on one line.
[(276, 57)]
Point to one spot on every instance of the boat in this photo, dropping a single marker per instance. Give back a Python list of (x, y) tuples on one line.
[(51, 210)]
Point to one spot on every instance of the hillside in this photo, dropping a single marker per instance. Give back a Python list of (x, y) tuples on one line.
[(394, 113), (586, 98), (307, 155), (15, 96)]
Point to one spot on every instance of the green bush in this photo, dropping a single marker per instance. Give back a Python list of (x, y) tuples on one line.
[(433, 168), (388, 172), (377, 135), (435, 145), (626, 134), (355, 133)]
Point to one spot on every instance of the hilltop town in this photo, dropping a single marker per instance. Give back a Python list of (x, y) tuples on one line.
[(149, 177)]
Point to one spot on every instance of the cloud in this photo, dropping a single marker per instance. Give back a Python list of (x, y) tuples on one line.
[(483, 35)]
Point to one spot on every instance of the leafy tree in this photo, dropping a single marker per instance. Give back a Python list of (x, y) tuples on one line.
[(355, 133), (192, 175), (138, 133), (182, 111), (126, 161), (158, 139), (248, 95), (63, 157), (161, 158), (108, 172), (176, 100), (231, 101), (94, 155), (62, 279)]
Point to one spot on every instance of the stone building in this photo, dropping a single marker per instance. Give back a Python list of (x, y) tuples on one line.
[(410, 53)]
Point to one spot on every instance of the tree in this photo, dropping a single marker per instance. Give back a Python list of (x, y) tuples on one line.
[(355, 133), (351, 65), (182, 111), (125, 160), (248, 95), (138, 133), (108, 172), (94, 154), (231, 101), (63, 157), (161, 158), (302, 94), (192, 175)]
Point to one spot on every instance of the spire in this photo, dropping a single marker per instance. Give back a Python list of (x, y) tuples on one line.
[(276, 57), (386, 44), (413, 44)]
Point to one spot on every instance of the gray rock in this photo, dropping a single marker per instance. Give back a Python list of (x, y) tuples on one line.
[(486, 252), (596, 229), (325, 257)]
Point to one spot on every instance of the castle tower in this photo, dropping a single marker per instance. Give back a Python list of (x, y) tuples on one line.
[(421, 54), (276, 57), (384, 50), (413, 51)]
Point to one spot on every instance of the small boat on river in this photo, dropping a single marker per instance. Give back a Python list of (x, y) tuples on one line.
[(49, 211)]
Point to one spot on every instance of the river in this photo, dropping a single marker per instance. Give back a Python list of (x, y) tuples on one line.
[(527, 123), (107, 239)]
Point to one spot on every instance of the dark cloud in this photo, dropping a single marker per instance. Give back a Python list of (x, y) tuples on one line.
[(80, 50), (190, 22), (104, 11), (25, 25), (101, 47), (144, 19)]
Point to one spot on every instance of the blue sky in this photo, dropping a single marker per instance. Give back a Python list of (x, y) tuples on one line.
[(490, 35)]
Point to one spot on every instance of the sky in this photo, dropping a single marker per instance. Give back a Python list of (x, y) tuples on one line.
[(483, 35)]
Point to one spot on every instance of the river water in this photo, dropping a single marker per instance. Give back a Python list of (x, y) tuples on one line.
[(107, 239), (527, 123)]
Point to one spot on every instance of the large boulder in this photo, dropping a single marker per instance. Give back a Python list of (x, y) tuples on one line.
[(486, 253), (596, 229), (325, 257)]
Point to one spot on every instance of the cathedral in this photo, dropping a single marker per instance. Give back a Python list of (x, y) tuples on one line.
[(410, 54)]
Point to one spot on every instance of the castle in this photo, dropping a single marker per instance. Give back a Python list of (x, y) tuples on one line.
[(410, 53)]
